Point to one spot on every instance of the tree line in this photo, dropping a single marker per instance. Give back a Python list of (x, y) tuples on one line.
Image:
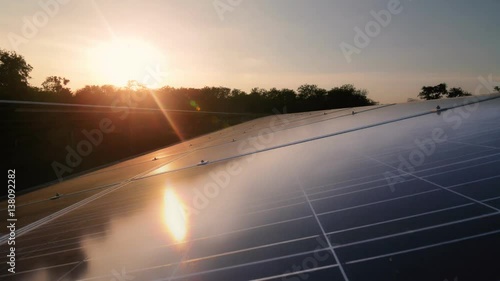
[(15, 72), (442, 91), (14, 85)]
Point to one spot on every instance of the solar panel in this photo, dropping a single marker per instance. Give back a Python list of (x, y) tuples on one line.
[(393, 192)]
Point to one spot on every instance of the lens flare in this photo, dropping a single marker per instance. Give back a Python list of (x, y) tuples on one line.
[(175, 216), (169, 119), (195, 105)]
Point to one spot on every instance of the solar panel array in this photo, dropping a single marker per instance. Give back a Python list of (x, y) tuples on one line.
[(398, 192)]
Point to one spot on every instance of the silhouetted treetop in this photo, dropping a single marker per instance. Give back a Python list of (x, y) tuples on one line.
[(14, 73), (457, 92), (433, 92), (441, 91)]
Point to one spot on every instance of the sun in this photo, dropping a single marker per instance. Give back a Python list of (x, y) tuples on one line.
[(118, 61)]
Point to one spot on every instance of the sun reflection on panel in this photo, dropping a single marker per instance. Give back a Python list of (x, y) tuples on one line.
[(175, 216)]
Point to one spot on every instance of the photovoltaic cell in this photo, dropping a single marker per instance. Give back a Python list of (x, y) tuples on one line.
[(398, 192)]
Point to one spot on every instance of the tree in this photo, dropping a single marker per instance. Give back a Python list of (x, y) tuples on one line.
[(311, 97), (250, 102), (14, 74), (310, 92), (497, 88), (348, 96), (289, 98), (236, 93), (433, 92), (96, 94), (458, 92), (57, 85)]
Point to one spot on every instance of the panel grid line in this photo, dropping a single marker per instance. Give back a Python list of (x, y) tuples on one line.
[(378, 202), (241, 265), (323, 232), (297, 272), (478, 145), (438, 185), (416, 230), (333, 232), (425, 247), (401, 218), (474, 181), (307, 252)]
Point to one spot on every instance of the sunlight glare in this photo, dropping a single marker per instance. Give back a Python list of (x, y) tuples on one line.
[(175, 216), (120, 60)]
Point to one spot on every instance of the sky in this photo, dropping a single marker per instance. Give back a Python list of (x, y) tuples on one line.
[(257, 43)]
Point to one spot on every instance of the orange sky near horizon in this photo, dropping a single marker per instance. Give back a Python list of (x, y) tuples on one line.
[(254, 44)]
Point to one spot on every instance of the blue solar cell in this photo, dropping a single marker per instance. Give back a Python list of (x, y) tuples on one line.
[(393, 192)]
